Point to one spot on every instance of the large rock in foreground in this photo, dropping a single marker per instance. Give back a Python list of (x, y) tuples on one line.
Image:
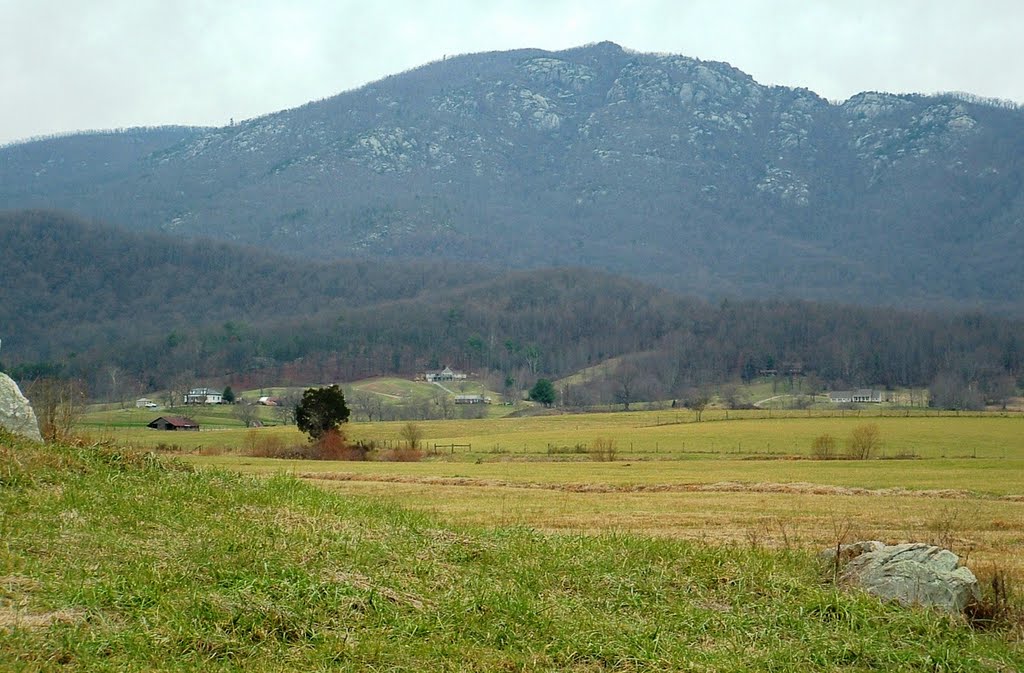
[(16, 414), (913, 574)]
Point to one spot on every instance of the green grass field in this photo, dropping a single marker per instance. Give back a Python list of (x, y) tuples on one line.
[(637, 434), (115, 561), (727, 480)]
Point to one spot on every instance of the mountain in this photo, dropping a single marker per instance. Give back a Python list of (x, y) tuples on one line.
[(680, 172)]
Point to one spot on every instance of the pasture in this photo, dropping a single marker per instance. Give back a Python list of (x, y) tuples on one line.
[(116, 561), (744, 480), (638, 434), (733, 477)]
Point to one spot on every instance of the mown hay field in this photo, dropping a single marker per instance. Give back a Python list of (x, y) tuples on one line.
[(960, 480), (709, 490)]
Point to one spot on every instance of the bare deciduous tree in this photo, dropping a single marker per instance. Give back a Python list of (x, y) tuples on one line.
[(412, 434), (247, 413), (864, 441), (58, 405)]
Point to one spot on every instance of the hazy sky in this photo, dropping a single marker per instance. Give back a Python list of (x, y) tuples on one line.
[(68, 65)]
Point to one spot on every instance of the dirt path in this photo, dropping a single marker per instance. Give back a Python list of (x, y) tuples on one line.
[(769, 399), (443, 388)]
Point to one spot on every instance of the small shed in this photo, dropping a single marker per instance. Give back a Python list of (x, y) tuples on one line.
[(173, 423)]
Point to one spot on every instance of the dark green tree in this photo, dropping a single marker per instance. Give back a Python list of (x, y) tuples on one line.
[(543, 391), (321, 410), (228, 395)]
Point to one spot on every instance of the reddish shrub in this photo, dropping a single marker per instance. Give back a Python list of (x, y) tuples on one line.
[(334, 446)]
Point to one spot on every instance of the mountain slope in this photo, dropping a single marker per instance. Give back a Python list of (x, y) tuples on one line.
[(674, 170), (72, 285), (137, 311)]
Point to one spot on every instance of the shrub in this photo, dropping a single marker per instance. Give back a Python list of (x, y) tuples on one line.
[(403, 455), (1000, 605), (258, 445), (603, 449), (578, 448), (824, 447), (333, 446), (864, 441), (412, 434)]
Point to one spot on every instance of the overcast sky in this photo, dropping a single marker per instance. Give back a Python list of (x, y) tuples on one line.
[(68, 65)]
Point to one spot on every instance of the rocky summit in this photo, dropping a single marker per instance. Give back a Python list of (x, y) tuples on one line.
[(678, 171)]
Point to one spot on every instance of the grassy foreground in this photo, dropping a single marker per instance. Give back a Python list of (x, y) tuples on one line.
[(113, 560)]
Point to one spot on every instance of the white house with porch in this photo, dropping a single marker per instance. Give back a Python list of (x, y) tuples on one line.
[(859, 396), (203, 396), (446, 374)]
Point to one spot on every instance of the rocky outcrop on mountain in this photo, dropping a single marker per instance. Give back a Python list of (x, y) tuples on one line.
[(683, 172), (16, 414), (912, 574)]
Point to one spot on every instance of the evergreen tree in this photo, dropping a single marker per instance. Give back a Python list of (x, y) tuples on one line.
[(321, 410), (543, 391)]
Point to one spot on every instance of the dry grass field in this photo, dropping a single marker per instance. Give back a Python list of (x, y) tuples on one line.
[(744, 479), (675, 478), (985, 532)]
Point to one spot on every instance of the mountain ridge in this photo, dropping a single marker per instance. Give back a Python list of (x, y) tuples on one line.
[(677, 171)]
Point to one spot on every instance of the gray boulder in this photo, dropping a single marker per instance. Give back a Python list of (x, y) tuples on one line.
[(16, 414), (913, 574)]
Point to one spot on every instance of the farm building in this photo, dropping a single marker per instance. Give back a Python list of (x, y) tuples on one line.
[(203, 396), (173, 423), (472, 399), (144, 403), (862, 395)]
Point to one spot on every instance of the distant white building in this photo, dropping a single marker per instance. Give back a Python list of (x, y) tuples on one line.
[(145, 403), (859, 396), (446, 374), (472, 399), (203, 396)]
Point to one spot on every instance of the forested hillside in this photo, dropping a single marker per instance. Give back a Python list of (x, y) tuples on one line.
[(684, 173), (145, 310), (73, 286)]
